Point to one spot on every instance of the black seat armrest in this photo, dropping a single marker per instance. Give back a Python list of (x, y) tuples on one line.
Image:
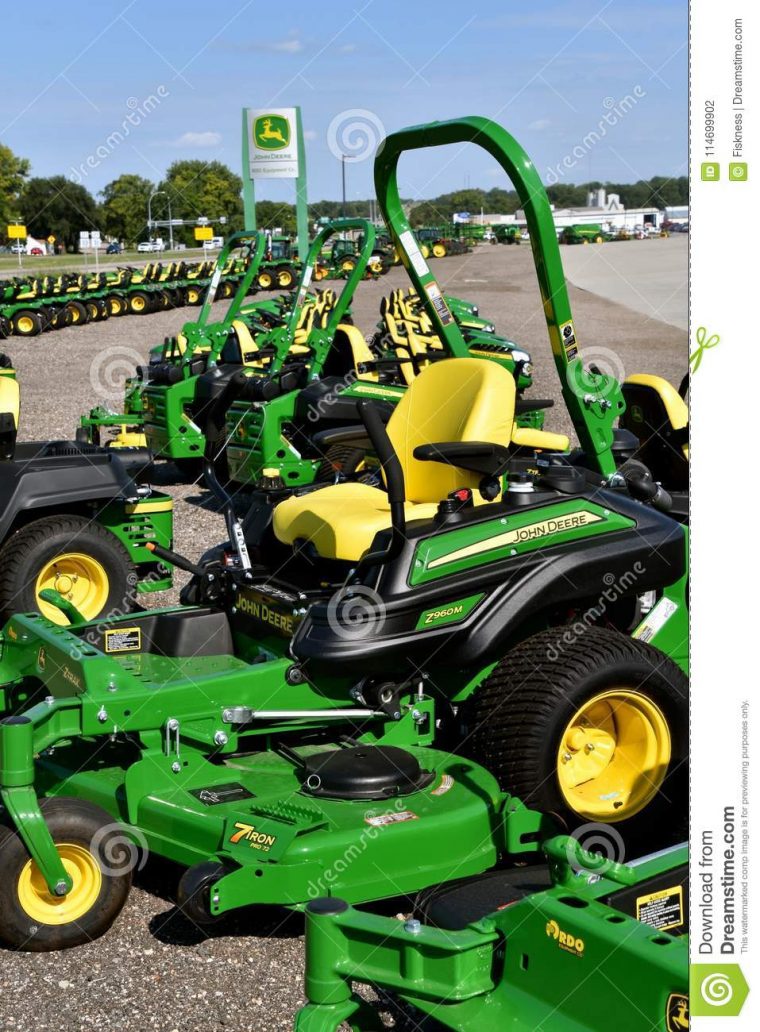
[(482, 457), (353, 436), (530, 404)]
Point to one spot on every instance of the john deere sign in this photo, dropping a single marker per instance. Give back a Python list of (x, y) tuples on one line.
[(271, 132), (272, 144), (273, 148)]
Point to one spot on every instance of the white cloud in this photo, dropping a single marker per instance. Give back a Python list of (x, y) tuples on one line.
[(310, 134), (540, 123), (205, 139), (285, 46)]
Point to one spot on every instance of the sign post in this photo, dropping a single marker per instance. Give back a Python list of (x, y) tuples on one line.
[(273, 148), (84, 243), (95, 245)]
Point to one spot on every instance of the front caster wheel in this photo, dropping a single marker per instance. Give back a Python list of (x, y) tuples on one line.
[(194, 893), (98, 858)]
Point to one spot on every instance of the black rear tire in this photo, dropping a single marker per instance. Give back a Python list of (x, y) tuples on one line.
[(516, 719), (101, 845), (27, 323), (139, 303), (79, 313), (338, 459), (29, 550), (286, 277)]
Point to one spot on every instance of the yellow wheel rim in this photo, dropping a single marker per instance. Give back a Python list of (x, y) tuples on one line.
[(613, 756), (79, 578), (265, 280), (138, 303), (114, 305), (192, 295), (347, 264), (439, 251), (25, 324), (285, 279), (44, 908), (76, 315)]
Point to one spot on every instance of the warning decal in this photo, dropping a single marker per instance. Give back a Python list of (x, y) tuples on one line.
[(125, 639), (661, 910)]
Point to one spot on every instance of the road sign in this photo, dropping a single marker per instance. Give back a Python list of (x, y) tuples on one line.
[(51, 239), (16, 232), (204, 233)]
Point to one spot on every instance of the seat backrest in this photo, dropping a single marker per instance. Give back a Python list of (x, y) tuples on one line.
[(457, 399), (658, 401), (10, 403)]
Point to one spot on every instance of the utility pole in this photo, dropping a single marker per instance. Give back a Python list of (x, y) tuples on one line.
[(343, 180)]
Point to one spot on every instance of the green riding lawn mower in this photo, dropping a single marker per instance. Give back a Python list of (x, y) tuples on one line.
[(75, 522), (165, 401), (557, 946), (179, 356), (371, 688)]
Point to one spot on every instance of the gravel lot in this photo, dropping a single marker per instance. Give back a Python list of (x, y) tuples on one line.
[(153, 970)]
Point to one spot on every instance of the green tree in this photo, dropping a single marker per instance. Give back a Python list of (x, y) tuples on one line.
[(56, 205), (125, 207), (201, 188), (13, 172), (271, 214)]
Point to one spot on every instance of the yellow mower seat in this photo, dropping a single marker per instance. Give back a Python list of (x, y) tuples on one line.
[(340, 521), (10, 396), (461, 399)]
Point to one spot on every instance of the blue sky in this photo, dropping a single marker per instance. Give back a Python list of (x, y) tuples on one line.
[(549, 71)]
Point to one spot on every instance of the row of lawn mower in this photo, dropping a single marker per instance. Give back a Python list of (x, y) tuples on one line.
[(30, 306), (404, 674), (312, 365)]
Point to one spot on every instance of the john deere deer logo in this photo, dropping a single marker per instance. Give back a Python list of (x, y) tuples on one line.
[(677, 1017), (271, 132)]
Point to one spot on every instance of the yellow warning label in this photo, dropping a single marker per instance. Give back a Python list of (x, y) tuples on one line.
[(661, 910)]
